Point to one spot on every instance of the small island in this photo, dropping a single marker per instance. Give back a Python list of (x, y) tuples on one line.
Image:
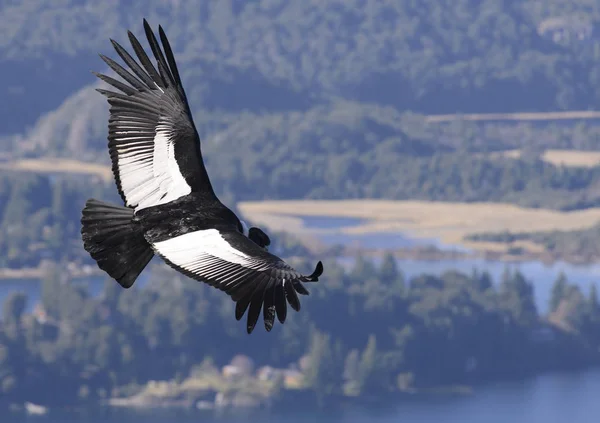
[(367, 335)]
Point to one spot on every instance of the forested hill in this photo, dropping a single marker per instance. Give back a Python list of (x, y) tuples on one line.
[(325, 99), (428, 56)]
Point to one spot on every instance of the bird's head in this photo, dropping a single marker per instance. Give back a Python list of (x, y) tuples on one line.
[(259, 237)]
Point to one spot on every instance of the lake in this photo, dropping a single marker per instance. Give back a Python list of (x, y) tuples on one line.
[(541, 275), (554, 398), (326, 229)]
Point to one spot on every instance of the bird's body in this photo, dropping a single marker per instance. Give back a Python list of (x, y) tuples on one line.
[(170, 208)]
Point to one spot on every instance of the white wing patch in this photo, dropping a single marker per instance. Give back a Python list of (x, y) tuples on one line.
[(148, 171), (205, 253)]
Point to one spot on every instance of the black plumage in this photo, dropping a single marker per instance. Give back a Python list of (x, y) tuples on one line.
[(170, 207)]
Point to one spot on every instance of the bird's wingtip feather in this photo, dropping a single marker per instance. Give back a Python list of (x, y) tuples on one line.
[(314, 277)]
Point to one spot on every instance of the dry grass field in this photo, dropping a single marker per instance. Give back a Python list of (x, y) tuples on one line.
[(449, 222), (51, 165), (573, 158), (533, 116)]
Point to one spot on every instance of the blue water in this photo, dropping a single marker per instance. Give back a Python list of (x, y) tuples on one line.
[(372, 240), (541, 275), (327, 222), (381, 240), (555, 398), (32, 288)]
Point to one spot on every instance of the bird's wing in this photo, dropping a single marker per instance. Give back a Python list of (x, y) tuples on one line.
[(153, 143), (233, 263)]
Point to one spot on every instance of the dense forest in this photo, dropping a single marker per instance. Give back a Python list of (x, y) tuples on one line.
[(39, 214), (367, 332), (329, 99), (580, 244), (40, 219), (432, 56), (326, 99)]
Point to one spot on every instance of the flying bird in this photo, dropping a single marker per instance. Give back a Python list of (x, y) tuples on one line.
[(169, 206)]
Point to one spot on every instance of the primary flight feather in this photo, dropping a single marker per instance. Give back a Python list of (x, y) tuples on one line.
[(170, 208)]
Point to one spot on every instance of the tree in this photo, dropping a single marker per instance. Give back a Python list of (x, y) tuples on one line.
[(517, 295), (363, 269), (390, 275), (351, 372), (559, 290), (110, 294), (367, 365), (593, 305), (325, 366), (51, 291), (13, 309), (388, 271), (484, 281)]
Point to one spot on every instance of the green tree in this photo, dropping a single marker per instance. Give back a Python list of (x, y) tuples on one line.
[(351, 374), (367, 365), (363, 269), (51, 291), (388, 271), (559, 290), (593, 305), (13, 309), (517, 296), (484, 281), (324, 374), (391, 275)]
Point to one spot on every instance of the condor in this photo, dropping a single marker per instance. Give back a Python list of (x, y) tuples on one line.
[(170, 209)]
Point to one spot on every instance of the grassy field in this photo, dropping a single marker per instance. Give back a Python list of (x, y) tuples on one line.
[(573, 158), (449, 222), (52, 165), (533, 116)]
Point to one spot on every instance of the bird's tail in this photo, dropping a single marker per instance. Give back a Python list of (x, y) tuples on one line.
[(115, 241)]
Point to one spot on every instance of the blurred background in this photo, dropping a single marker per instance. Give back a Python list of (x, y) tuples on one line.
[(441, 156)]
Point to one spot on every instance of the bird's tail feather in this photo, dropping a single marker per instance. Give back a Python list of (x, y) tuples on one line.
[(115, 241)]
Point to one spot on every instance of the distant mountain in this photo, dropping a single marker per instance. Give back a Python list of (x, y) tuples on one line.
[(430, 56), (72, 129), (334, 82)]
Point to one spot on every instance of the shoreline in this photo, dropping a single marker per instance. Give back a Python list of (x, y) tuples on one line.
[(427, 220), (37, 273), (197, 404), (435, 254), (417, 253)]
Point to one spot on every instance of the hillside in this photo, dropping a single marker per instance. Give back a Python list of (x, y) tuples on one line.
[(431, 57), (431, 101)]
